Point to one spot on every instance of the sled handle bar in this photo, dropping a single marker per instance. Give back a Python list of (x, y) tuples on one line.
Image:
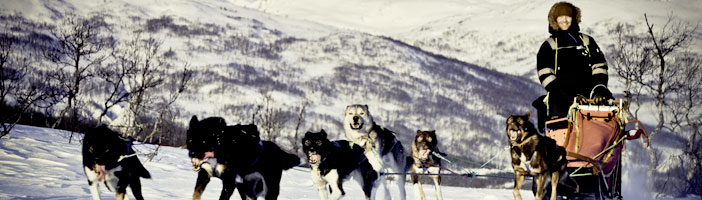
[(639, 130)]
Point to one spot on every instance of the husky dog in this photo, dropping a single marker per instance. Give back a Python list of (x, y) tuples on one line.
[(381, 146), (333, 161), (228, 152), (425, 160), (109, 158), (534, 155)]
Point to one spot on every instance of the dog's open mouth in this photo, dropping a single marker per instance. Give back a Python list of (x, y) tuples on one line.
[(197, 162), (100, 170), (356, 125), (513, 135), (423, 154), (315, 159)]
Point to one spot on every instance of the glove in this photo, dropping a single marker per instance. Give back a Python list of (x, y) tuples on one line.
[(601, 95)]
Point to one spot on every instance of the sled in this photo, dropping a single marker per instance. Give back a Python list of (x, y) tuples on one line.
[(594, 141)]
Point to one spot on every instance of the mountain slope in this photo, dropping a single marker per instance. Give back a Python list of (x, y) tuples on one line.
[(243, 57)]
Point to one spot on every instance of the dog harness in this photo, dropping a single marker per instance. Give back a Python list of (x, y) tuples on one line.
[(526, 164), (394, 139)]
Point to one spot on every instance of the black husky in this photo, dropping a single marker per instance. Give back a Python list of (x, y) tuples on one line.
[(333, 161), (109, 158), (230, 151)]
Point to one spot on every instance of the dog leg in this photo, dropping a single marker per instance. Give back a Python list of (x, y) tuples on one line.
[(202, 180), (418, 191), (228, 186), (320, 183), (334, 184), (518, 181), (121, 196), (540, 183), (383, 181), (400, 181), (94, 190), (93, 182), (437, 182), (136, 188), (122, 184), (374, 159), (414, 178), (554, 184)]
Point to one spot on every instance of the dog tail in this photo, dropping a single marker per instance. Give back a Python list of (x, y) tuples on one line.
[(284, 159), (141, 171), (290, 161)]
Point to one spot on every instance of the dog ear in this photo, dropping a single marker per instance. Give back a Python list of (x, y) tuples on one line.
[(510, 119), (193, 121), (418, 131), (527, 114), (324, 134), (432, 133)]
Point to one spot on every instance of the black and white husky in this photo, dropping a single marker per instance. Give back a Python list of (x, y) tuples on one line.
[(333, 162), (382, 147), (110, 159)]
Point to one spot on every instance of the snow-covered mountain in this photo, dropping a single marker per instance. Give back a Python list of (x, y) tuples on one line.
[(241, 54)]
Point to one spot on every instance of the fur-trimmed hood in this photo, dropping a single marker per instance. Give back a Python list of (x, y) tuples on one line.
[(559, 8)]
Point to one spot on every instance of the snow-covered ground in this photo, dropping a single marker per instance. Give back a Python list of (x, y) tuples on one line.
[(39, 163)]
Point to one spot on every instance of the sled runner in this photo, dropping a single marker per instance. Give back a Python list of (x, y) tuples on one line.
[(594, 140)]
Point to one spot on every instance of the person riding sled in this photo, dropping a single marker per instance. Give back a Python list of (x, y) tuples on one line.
[(569, 64)]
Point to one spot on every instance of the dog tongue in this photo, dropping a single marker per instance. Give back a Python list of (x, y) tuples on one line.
[(424, 153), (197, 162), (100, 169), (315, 158)]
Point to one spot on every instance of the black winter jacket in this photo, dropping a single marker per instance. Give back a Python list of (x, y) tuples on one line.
[(579, 69)]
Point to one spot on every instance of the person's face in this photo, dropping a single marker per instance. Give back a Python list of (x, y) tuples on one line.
[(564, 22)]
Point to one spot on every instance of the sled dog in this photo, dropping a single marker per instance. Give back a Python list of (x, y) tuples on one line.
[(425, 161), (534, 155), (236, 152), (381, 146), (333, 162), (109, 158)]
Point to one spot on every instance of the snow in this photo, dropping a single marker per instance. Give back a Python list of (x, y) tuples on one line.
[(39, 163)]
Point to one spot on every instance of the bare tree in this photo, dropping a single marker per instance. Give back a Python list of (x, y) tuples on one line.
[(153, 87), (272, 120), (687, 120), (300, 118), (164, 110), (115, 73), (630, 59), (22, 86), (664, 41), (78, 49), (148, 76)]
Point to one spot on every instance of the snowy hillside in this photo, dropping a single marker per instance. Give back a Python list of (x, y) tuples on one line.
[(243, 55)]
